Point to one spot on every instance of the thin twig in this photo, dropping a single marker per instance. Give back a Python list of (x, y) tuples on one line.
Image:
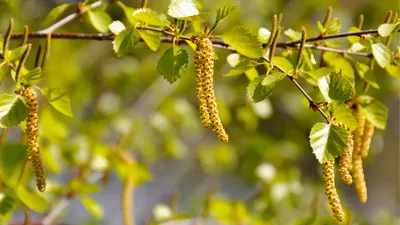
[(69, 18)]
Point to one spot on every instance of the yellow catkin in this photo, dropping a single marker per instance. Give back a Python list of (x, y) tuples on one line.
[(330, 189), (204, 65), (346, 160), (33, 148), (366, 139), (359, 180), (358, 133)]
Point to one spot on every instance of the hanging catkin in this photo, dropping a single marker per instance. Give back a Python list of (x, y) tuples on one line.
[(359, 180), (346, 160), (33, 149), (204, 65), (330, 189), (359, 132), (366, 139)]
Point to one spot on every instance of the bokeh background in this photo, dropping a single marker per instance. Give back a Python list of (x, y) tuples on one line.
[(268, 163)]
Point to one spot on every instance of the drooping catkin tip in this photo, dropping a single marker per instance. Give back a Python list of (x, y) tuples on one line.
[(359, 180), (330, 189)]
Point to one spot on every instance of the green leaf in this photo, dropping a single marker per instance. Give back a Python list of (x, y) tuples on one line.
[(128, 11), (367, 74), (116, 27), (222, 12), (55, 13), (2, 71), (393, 69), (31, 77), (353, 39), (261, 88), (335, 87), (93, 207), (327, 141), (338, 63), (137, 171), (293, 35), (99, 20), (16, 53), (343, 114), (242, 67), (182, 8), (59, 99), (318, 73), (12, 110), (244, 41), (283, 63), (376, 113), (151, 38), (12, 160), (7, 205), (387, 29), (201, 17), (264, 34), (33, 200), (126, 41), (150, 17), (333, 26), (381, 54), (173, 63)]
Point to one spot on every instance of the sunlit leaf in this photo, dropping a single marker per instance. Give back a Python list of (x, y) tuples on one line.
[(173, 63), (128, 11), (393, 69), (59, 99), (293, 35), (93, 207), (333, 26), (381, 54), (261, 88), (335, 87), (182, 8), (16, 53), (318, 73), (12, 110), (353, 39), (99, 20), (343, 114), (242, 67), (32, 199), (151, 38), (327, 141), (55, 13), (150, 17), (126, 41), (12, 160), (283, 63), (376, 113), (387, 29), (264, 34), (31, 77), (222, 12), (116, 27), (244, 41)]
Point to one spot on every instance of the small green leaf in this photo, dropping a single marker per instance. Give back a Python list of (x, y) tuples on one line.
[(376, 113), (201, 17), (242, 67), (12, 160), (261, 88), (150, 17), (116, 27), (126, 41), (335, 87), (381, 54), (320, 27), (333, 26), (244, 41), (343, 114), (16, 53), (327, 141), (222, 12), (353, 39), (7, 205), (173, 63), (264, 34), (12, 110), (59, 99), (99, 20), (93, 207), (151, 38), (387, 29), (128, 11), (367, 74), (293, 35), (182, 8), (55, 13), (31, 77), (393, 69), (283, 63), (318, 73), (33, 200), (338, 63)]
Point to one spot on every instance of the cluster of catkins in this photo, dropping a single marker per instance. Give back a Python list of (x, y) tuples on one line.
[(350, 164), (204, 68), (32, 133)]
